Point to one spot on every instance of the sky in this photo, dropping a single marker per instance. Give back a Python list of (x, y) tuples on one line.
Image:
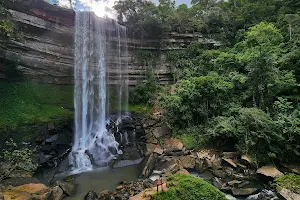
[(102, 7)]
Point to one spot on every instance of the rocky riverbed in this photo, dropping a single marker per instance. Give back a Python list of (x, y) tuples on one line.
[(149, 153)]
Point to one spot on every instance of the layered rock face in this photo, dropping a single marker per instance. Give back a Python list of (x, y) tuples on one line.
[(45, 52)]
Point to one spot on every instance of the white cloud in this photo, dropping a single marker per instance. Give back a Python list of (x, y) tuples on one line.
[(101, 8)]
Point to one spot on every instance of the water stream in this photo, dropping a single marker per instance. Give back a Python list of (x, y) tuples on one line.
[(95, 58)]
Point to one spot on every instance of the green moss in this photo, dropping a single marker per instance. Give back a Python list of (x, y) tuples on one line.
[(289, 181), (24, 104), (140, 109), (187, 187)]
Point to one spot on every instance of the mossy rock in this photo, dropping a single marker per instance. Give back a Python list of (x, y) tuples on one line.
[(187, 187), (290, 182)]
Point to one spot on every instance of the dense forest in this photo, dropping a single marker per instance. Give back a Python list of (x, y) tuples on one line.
[(244, 93)]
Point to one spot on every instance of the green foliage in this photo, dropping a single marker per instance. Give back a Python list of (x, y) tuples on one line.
[(23, 104), (21, 156), (192, 137), (144, 92), (140, 109), (290, 182), (196, 99), (187, 187)]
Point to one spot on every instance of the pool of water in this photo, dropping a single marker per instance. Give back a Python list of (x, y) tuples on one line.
[(102, 179)]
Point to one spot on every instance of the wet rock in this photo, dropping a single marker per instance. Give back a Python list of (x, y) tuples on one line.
[(159, 132), (58, 193), (104, 195), (230, 162), (219, 173), (288, 194), (119, 187), (241, 166), (148, 164), (68, 187), (154, 177), (173, 145), (269, 171), (263, 195), (28, 192), (217, 183), (243, 191), (148, 183), (91, 195), (243, 184), (188, 162), (233, 182), (199, 166)]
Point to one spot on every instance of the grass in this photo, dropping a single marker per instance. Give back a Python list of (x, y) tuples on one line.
[(23, 104), (187, 187), (140, 109), (289, 181)]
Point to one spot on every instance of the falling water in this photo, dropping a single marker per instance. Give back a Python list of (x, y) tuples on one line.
[(93, 144)]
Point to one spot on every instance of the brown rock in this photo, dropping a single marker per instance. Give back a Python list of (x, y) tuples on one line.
[(247, 159), (119, 187), (148, 164), (173, 145), (230, 162), (287, 194), (58, 193), (203, 154), (28, 192), (243, 191), (68, 187), (158, 150), (243, 184), (152, 140), (149, 149), (188, 162), (269, 171), (233, 182)]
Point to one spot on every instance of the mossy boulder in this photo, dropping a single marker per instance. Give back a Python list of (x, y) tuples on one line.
[(187, 187)]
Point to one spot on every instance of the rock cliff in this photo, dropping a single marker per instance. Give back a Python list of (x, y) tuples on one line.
[(45, 52)]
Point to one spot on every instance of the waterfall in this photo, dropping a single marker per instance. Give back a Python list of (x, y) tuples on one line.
[(93, 144)]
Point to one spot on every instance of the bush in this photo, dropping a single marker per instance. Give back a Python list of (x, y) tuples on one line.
[(290, 182), (187, 187), (144, 92), (19, 155)]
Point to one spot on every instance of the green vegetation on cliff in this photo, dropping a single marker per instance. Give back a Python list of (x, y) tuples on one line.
[(187, 187), (290, 182), (25, 104)]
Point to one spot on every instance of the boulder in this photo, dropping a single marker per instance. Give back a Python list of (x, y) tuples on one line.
[(188, 162), (173, 145), (159, 132), (247, 159), (269, 171), (288, 194), (58, 193), (28, 192), (230, 162), (158, 150), (148, 164), (243, 191), (91, 195), (68, 187), (104, 195), (263, 195)]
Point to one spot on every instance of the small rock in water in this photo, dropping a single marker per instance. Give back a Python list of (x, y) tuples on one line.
[(91, 195), (263, 195), (243, 191), (58, 193)]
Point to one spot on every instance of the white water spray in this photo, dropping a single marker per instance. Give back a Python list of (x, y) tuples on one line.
[(93, 144)]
